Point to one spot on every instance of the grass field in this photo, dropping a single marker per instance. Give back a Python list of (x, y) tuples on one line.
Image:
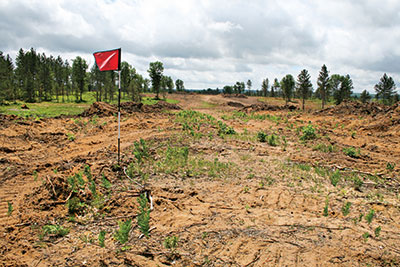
[(54, 109)]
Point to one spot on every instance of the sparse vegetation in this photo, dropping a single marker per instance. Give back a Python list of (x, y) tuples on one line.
[(346, 208), (143, 217), (9, 208), (308, 133), (370, 215), (102, 237), (352, 152), (122, 234)]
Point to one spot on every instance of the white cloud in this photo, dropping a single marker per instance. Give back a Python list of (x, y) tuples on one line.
[(212, 43)]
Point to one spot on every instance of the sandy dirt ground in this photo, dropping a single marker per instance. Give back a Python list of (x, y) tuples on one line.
[(223, 198)]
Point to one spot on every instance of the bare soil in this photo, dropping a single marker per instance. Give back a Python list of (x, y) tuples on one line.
[(235, 201)]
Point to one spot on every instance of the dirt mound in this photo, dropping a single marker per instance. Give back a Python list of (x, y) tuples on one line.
[(234, 95), (358, 108), (235, 104), (131, 106), (264, 107), (100, 109), (161, 105)]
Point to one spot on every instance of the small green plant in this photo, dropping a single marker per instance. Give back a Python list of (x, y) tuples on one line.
[(87, 172), (102, 237), (246, 189), (377, 231), (326, 211), (390, 166), (346, 208), (122, 234), (140, 150), (366, 235), (261, 137), (284, 143), (105, 182), (272, 140), (352, 152), (10, 208), (56, 230), (92, 188), (35, 175), (335, 177), (304, 167), (75, 205), (308, 133), (171, 242), (143, 218), (71, 136), (324, 148), (225, 129), (76, 182), (358, 183), (370, 216)]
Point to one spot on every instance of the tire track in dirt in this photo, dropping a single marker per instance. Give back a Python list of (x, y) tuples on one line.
[(46, 154)]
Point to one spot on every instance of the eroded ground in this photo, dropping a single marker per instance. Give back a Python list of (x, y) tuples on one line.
[(322, 197)]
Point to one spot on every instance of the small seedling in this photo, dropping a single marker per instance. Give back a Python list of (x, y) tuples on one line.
[(272, 140), (122, 234), (56, 230), (144, 215), (352, 152), (326, 211), (171, 242), (261, 137), (370, 216), (366, 235), (246, 189), (10, 208), (35, 175), (308, 133), (105, 182), (390, 166), (71, 136), (346, 208), (102, 237), (335, 177), (377, 231), (357, 183)]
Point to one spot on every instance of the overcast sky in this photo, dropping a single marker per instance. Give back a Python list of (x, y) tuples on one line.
[(213, 43)]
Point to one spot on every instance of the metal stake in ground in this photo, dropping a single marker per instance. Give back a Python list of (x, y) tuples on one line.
[(119, 116), (110, 60)]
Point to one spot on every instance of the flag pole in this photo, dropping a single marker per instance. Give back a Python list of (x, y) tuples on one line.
[(119, 115)]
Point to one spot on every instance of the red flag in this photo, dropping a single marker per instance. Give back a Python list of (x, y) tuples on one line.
[(108, 60)]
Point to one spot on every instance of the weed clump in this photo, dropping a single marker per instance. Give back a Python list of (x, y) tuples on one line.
[(308, 133), (272, 140), (261, 137), (352, 152)]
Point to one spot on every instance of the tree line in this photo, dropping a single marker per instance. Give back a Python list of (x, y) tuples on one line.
[(36, 77), (329, 87)]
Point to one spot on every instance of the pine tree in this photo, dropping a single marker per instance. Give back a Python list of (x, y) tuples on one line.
[(7, 88), (365, 96), (304, 86), (264, 87), (323, 85), (385, 89), (79, 68), (287, 85)]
